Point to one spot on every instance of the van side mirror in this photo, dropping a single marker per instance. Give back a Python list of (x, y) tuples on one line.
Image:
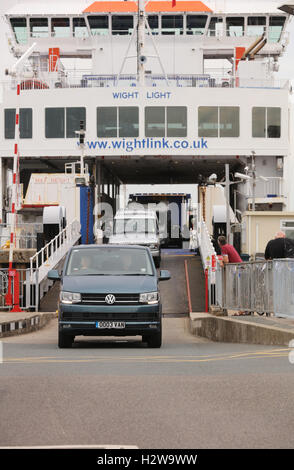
[(53, 275), (164, 275)]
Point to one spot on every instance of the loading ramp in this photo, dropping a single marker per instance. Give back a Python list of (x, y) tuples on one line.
[(174, 293)]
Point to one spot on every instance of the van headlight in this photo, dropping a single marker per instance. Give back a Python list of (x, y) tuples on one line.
[(154, 246), (70, 297), (149, 298)]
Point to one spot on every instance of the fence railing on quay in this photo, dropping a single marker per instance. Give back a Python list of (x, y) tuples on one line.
[(263, 287), (23, 292)]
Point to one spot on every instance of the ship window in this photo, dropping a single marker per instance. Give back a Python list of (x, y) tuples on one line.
[(196, 24), (54, 123), (60, 27), (19, 26), (25, 123), (256, 25), (235, 26), (276, 25), (208, 121), (172, 24), (229, 121), (107, 122), (153, 23), (122, 24), (80, 29), (176, 121), (170, 121), (258, 122), (39, 27), (216, 121), (274, 122), (128, 118), (98, 25), (215, 27), (73, 118), (266, 122), (118, 122), (9, 123), (154, 121)]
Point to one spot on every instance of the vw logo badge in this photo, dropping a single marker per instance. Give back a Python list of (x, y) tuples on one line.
[(110, 299)]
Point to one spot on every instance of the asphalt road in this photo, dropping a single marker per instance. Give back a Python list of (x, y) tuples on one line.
[(191, 393)]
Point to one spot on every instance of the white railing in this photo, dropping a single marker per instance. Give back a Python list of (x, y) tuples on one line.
[(51, 254), (206, 247), (86, 79)]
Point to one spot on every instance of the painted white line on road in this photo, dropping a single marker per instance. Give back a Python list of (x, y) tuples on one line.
[(72, 447)]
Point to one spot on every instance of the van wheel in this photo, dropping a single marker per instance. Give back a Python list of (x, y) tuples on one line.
[(64, 341), (155, 340)]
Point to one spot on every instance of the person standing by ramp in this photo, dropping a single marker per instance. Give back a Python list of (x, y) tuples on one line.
[(279, 247), (229, 253)]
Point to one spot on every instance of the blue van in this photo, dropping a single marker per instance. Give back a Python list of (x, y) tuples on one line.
[(109, 290)]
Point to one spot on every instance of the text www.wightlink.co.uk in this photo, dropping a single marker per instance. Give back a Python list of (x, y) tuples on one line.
[(148, 143)]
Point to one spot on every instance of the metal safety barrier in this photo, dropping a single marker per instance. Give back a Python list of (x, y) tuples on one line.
[(259, 286), (22, 292)]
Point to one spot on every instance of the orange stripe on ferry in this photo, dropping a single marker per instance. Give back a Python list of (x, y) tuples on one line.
[(151, 7)]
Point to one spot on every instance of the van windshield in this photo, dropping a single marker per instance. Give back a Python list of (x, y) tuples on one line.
[(112, 261), (135, 226)]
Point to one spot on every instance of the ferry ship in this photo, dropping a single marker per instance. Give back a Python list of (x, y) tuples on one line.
[(170, 92)]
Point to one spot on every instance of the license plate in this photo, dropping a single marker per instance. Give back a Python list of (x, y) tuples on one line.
[(110, 324)]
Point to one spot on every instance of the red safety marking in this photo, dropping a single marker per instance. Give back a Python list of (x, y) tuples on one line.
[(18, 89), (16, 118), (13, 208), (15, 149), (188, 287), (206, 291), (14, 178)]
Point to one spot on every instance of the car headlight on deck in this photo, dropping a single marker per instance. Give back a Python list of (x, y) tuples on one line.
[(149, 298), (153, 247), (70, 297)]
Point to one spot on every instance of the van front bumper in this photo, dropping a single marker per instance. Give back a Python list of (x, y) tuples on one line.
[(77, 320)]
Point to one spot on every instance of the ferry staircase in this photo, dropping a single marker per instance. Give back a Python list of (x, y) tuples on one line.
[(51, 256)]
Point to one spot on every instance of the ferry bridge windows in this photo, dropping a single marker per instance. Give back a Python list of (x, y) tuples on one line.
[(25, 123), (80, 29), (266, 122), (122, 24), (256, 25), (63, 122), (19, 26), (276, 25), (222, 121), (98, 25), (153, 23), (235, 26), (172, 24), (196, 24), (216, 26), (39, 27), (60, 27), (120, 121), (170, 121)]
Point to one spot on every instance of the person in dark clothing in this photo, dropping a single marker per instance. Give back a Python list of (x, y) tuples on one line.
[(276, 247)]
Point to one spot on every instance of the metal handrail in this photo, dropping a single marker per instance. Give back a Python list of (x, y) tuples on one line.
[(65, 236)]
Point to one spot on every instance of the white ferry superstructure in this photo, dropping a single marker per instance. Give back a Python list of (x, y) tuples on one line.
[(157, 106)]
